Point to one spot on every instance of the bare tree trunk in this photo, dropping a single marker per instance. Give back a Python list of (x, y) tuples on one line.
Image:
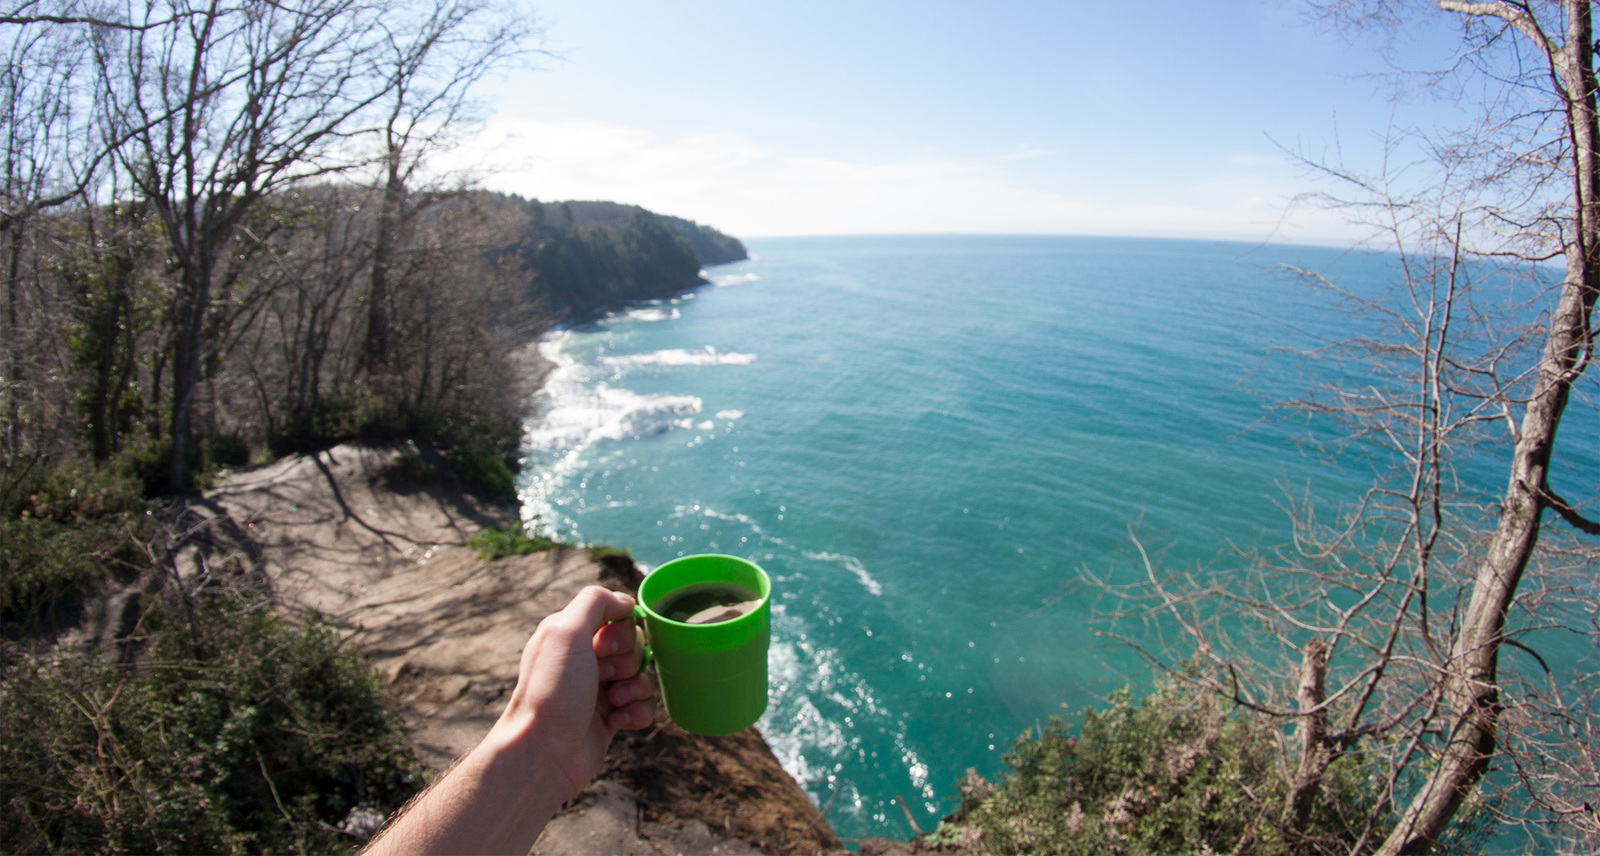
[(130, 364), (13, 338), (1472, 687), (106, 325), (188, 322), (390, 216), (1315, 751), (427, 351)]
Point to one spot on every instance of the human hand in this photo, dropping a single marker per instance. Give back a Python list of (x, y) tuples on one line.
[(578, 685)]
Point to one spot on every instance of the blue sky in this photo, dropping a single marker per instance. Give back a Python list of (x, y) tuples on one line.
[(1152, 118)]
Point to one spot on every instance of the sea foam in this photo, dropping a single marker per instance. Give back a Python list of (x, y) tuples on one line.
[(854, 566), (819, 709), (576, 415), (602, 413), (652, 313), (707, 356)]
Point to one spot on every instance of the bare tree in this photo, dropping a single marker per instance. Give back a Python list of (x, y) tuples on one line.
[(40, 134), (1561, 39), (223, 104), (1386, 623), (309, 337), (432, 57)]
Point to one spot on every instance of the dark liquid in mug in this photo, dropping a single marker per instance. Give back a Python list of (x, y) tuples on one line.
[(708, 603)]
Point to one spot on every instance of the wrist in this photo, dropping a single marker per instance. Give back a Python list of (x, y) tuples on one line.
[(520, 752), (514, 768), (496, 799)]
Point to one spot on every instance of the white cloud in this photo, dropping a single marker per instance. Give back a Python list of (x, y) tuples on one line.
[(744, 189)]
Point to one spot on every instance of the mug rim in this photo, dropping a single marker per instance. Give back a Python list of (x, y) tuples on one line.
[(766, 597)]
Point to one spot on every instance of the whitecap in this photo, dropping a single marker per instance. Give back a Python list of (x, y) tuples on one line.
[(734, 279), (742, 519), (578, 416), (707, 356), (652, 314), (730, 415), (854, 566)]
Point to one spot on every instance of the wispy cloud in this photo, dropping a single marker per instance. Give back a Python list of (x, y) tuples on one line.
[(745, 189)]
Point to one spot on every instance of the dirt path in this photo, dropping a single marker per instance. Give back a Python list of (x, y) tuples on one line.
[(385, 559)]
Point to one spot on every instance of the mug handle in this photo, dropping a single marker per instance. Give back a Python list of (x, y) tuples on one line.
[(649, 654)]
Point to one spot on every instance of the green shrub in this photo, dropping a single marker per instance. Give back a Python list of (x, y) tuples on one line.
[(1173, 772), (408, 470), (513, 540), (487, 473), (481, 447), (150, 462), (81, 524), (225, 449), (248, 735), (76, 491), (602, 552)]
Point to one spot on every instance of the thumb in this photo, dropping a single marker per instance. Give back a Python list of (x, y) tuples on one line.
[(594, 607)]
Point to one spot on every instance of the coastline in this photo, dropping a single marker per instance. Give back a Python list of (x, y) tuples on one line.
[(533, 367)]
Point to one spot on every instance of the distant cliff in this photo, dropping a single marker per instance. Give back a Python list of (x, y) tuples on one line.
[(583, 256), (713, 247)]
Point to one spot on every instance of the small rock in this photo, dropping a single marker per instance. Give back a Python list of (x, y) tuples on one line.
[(362, 822)]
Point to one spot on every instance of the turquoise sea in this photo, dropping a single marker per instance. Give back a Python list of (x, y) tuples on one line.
[(925, 440)]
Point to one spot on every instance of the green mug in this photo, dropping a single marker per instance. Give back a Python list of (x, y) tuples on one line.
[(713, 676)]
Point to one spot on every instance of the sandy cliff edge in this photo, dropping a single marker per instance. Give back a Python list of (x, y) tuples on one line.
[(385, 560)]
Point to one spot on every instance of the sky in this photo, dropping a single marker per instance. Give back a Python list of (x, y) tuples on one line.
[(1159, 118)]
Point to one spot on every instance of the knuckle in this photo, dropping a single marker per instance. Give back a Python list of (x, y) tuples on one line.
[(560, 624)]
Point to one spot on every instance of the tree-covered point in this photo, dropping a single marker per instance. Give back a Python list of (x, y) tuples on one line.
[(582, 256), (712, 246)]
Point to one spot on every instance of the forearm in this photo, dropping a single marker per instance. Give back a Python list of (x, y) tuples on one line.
[(548, 743), (496, 800)]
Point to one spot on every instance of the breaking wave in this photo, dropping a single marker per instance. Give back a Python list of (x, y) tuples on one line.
[(576, 415), (652, 313), (707, 356)]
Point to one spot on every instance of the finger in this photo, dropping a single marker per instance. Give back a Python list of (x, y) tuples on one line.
[(594, 607), (636, 715), (614, 639), (636, 688), (620, 667)]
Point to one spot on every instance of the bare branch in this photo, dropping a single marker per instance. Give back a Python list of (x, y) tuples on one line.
[(1570, 514)]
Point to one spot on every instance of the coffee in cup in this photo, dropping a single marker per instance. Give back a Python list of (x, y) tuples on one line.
[(709, 603)]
